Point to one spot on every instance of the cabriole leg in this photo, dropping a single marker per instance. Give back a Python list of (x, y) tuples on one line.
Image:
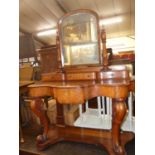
[(119, 111)]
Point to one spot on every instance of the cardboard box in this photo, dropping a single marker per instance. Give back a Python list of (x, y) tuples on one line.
[(51, 111), (71, 114)]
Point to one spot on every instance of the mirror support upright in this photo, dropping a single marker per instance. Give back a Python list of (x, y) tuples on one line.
[(60, 67), (104, 49)]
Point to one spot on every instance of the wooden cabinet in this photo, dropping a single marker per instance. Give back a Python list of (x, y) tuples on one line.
[(48, 59)]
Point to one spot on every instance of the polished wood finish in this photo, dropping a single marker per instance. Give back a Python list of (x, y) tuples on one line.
[(119, 111), (75, 85), (104, 55), (68, 133), (65, 92)]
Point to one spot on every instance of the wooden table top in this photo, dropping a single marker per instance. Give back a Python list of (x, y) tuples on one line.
[(70, 84), (25, 83)]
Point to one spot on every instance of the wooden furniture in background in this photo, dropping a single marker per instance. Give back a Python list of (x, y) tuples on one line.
[(26, 73), (22, 90), (48, 59), (124, 58), (25, 79), (76, 83)]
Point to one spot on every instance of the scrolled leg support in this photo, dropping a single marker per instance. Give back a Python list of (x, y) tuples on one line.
[(37, 108), (119, 112)]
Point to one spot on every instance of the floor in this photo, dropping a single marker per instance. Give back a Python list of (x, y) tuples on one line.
[(62, 148)]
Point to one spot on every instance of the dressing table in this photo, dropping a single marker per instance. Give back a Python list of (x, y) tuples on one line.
[(82, 74)]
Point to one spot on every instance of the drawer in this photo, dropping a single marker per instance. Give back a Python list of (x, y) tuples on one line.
[(53, 77), (81, 76), (114, 74)]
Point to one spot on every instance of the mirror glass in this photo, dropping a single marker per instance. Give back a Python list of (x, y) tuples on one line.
[(79, 39)]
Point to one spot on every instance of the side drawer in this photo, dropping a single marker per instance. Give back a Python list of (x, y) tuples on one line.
[(53, 77)]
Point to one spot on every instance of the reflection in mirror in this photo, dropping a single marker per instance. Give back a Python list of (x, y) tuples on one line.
[(79, 38)]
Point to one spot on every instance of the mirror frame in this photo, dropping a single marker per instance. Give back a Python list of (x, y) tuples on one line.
[(60, 21)]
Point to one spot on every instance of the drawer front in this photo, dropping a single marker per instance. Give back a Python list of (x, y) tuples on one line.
[(53, 77), (114, 74), (81, 76)]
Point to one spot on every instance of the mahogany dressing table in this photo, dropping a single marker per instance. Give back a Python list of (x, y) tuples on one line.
[(82, 74)]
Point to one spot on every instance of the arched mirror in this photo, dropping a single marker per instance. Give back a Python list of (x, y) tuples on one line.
[(79, 38)]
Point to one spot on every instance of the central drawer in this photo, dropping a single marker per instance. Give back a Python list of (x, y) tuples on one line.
[(81, 76)]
